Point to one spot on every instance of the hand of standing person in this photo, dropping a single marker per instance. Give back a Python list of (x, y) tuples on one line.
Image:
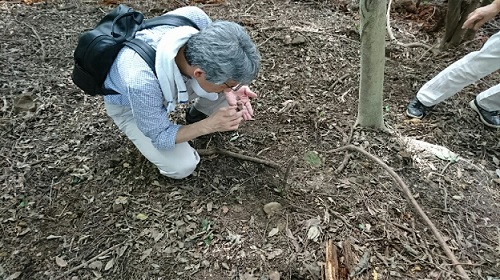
[(481, 15)]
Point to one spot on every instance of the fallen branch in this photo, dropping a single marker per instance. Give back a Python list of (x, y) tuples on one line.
[(214, 151), (415, 204), (86, 263)]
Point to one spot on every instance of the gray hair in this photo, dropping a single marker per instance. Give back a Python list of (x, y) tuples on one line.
[(224, 51)]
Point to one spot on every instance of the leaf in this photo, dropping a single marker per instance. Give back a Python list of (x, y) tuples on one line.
[(498, 172), (313, 233), (141, 216), (121, 200), (146, 254), (14, 275), (312, 157), (122, 250), (496, 161), (95, 265), (274, 254), (110, 264), (446, 154), (274, 275), (60, 262), (271, 208), (234, 137), (273, 232), (205, 224)]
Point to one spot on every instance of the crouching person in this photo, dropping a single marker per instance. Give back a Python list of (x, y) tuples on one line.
[(210, 66)]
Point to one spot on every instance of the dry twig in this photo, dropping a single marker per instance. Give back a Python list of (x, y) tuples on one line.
[(84, 264), (214, 151), (415, 204), (291, 164), (42, 46), (339, 80)]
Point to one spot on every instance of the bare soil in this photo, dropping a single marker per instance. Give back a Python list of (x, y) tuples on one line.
[(78, 201)]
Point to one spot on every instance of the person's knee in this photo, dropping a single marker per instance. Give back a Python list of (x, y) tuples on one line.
[(180, 170)]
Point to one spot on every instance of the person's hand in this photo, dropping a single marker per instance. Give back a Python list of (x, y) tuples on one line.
[(224, 119), (241, 99), (481, 15)]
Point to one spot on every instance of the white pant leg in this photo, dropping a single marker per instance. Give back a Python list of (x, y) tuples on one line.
[(490, 99), (177, 163), (462, 73)]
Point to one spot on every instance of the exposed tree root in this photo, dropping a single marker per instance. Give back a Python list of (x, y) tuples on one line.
[(415, 204)]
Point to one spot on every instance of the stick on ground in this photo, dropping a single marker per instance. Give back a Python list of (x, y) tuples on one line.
[(209, 152)]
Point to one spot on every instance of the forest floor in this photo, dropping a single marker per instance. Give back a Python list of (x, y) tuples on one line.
[(78, 201)]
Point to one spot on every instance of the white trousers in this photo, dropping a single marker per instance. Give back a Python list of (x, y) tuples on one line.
[(177, 163), (464, 72)]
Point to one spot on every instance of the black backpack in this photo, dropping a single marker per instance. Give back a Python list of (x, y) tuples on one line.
[(97, 48)]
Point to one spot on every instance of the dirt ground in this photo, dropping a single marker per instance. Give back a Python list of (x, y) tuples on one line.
[(78, 201)]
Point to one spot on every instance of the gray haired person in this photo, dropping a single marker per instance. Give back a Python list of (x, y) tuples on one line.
[(211, 66)]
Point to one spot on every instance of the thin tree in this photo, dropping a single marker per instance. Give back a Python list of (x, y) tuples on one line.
[(370, 105)]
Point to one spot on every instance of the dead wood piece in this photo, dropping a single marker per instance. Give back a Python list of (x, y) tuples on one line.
[(86, 263), (415, 204), (348, 257), (209, 152), (332, 262), (339, 80), (341, 167)]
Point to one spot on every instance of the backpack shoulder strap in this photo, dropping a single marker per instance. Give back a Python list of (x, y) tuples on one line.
[(169, 19), (144, 50)]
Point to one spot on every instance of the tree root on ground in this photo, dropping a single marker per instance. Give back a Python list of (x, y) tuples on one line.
[(415, 204)]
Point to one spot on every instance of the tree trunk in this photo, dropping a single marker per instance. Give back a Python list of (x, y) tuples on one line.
[(470, 33), (458, 10), (370, 111)]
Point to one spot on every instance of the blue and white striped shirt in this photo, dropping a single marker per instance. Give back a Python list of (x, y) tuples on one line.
[(139, 88)]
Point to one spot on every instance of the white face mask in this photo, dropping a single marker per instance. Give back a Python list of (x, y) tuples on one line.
[(198, 90)]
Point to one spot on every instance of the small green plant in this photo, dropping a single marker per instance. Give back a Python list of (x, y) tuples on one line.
[(208, 239), (312, 157), (205, 225)]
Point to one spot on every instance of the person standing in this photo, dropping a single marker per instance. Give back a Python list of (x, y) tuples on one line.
[(464, 72)]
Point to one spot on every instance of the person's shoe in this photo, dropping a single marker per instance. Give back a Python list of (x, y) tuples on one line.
[(415, 109), (193, 115), (489, 118)]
